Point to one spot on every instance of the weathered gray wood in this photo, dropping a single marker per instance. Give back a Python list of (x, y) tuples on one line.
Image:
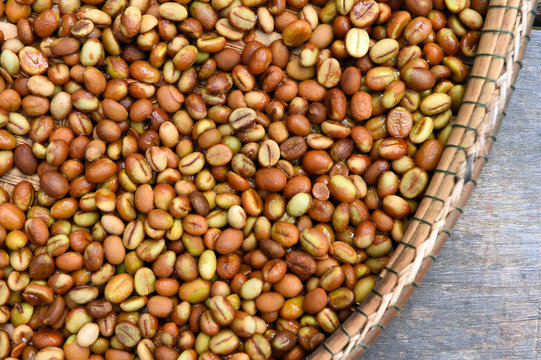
[(482, 298)]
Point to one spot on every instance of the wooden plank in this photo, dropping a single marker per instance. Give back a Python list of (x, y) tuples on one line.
[(482, 298)]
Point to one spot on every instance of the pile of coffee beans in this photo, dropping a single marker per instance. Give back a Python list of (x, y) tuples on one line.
[(216, 179)]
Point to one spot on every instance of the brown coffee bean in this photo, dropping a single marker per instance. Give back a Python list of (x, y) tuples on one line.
[(293, 148), (298, 124), (64, 46), (377, 78), (260, 60), (417, 30), (199, 203), (11, 217), (54, 184), (160, 306), (392, 148), (301, 264), (269, 302), (399, 122), (229, 241), (24, 159), (374, 171), (361, 106), (350, 81), (429, 154), (336, 104), (315, 301), (418, 79), (270, 179), (46, 337), (289, 286), (272, 248), (274, 270), (100, 170), (317, 162), (227, 59)]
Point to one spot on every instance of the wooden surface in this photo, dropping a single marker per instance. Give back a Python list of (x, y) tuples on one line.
[(482, 298)]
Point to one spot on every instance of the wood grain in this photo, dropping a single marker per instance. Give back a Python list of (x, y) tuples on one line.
[(481, 299)]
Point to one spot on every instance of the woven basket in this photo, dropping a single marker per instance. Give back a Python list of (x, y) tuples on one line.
[(500, 51)]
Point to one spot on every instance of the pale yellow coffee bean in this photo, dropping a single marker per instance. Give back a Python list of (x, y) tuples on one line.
[(357, 42), (88, 334)]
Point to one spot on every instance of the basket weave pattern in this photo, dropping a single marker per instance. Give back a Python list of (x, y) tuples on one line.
[(500, 51), (498, 61)]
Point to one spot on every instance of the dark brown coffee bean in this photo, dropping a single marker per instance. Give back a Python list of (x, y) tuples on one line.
[(54, 184), (293, 148), (24, 159), (301, 264), (199, 203)]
